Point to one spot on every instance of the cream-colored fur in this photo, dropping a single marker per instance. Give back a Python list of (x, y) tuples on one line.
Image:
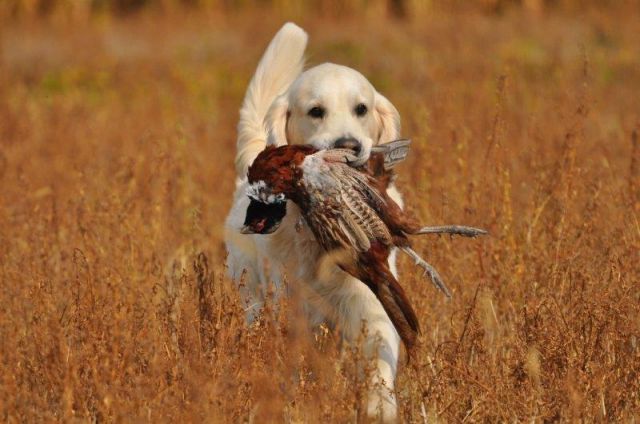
[(276, 111)]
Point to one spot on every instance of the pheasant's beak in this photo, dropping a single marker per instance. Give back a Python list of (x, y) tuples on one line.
[(264, 218), (254, 227)]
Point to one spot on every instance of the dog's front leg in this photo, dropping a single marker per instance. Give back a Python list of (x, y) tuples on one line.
[(245, 261), (382, 343), (354, 304)]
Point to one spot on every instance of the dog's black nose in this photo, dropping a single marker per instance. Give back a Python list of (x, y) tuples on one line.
[(348, 143)]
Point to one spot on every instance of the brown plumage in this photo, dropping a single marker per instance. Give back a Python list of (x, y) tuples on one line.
[(348, 210)]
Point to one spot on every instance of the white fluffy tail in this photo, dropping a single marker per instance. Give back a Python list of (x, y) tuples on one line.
[(281, 63)]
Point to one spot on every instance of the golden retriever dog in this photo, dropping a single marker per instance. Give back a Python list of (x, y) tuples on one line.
[(326, 106)]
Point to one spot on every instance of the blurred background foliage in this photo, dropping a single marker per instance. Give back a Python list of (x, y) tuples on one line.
[(83, 9)]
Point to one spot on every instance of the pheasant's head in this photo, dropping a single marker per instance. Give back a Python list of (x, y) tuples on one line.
[(266, 209), (273, 179)]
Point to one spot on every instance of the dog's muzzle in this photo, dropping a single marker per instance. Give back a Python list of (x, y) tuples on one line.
[(348, 143)]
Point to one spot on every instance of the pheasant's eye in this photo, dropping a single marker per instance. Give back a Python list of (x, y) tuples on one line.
[(361, 109), (316, 112)]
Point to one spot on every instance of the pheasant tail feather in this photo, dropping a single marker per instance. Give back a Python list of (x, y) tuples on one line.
[(396, 304)]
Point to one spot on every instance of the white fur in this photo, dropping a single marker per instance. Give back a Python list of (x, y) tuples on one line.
[(281, 64), (275, 111)]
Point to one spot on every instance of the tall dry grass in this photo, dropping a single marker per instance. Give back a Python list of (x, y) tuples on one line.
[(117, 142)]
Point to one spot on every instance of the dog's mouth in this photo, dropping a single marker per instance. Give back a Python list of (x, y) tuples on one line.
[(264, 218), (361, 147), (359, 160), (360, 150)]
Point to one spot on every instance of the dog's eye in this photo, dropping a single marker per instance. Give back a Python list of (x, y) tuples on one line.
[(361, 109), (316, 112)]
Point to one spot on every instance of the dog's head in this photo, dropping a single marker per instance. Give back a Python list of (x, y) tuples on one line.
[(333, 106)]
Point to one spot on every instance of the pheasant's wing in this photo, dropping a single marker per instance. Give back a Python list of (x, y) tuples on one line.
[(361, 219), (338, 161), (357, 218), (343, 227)]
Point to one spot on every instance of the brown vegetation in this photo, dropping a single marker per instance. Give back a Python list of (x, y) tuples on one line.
[(116, 154)]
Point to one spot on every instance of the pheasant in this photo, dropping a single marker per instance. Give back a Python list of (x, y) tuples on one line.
[(348, 210)]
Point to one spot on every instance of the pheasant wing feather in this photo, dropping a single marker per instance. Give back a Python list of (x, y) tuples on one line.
[(357, 215), (349, 199)]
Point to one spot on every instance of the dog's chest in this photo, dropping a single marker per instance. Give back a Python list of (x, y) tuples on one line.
[(293, 246)]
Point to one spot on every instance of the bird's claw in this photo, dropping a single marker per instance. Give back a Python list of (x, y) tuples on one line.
[(428, 270)]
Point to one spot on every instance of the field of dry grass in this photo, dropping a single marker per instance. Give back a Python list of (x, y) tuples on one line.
[(116, 155)]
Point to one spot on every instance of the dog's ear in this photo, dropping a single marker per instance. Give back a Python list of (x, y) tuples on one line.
[(276, 121), (388, 119)]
